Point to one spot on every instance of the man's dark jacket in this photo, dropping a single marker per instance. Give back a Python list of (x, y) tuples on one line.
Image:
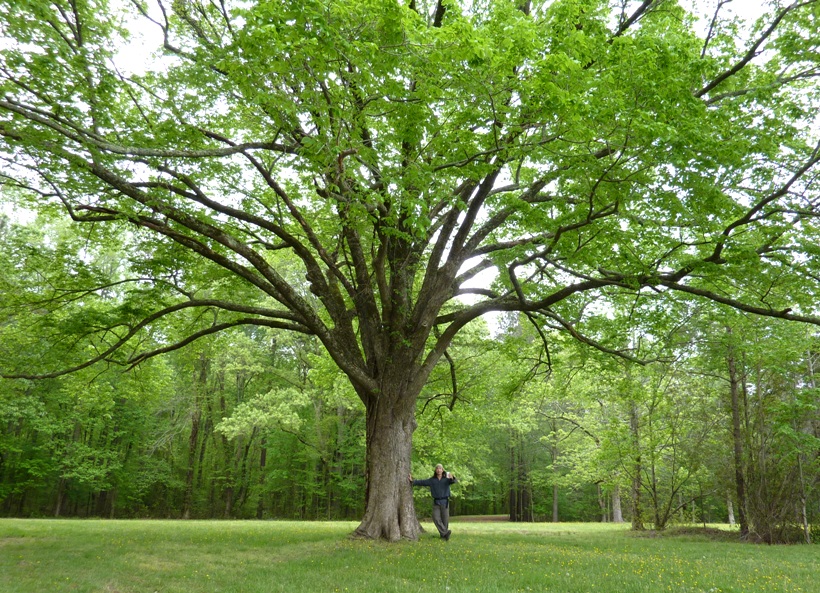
[(439, 489)]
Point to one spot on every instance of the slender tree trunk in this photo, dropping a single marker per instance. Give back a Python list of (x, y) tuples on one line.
[(263, 459), (63, 483), (804, 516), (730, 507), (21, 502), (203, 445), (244, 474), (231, 462), (230, 455), (637, 510), (737, 440), (659, 519), (554, 454), (58, 505), (520, 488), (337, 471), (617, 512), (803, 495), (189, 473), (514, 511), (202, 368), (527, 495)]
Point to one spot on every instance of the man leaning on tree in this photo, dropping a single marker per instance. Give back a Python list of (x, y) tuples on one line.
[(439, 485)]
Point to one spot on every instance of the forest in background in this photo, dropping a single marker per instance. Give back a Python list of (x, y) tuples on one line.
[(259, 423)]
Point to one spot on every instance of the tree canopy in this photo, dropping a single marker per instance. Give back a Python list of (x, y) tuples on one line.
[(351, 169)]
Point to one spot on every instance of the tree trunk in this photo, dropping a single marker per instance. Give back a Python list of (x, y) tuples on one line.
[(520, 488), (200, 379), (335, 504), (737, 439), (189, 472), (244, 474), (389, 513), (803, 495), (637, 511), (804, 516), (263, 459), (513, 487), (617, 513), (730, 507), (554, 455), (58, 505)]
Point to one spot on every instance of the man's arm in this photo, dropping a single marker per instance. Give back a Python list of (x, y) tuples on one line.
[(427, 482)]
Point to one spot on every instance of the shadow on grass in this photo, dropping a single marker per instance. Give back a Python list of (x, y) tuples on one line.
[(712, 534)]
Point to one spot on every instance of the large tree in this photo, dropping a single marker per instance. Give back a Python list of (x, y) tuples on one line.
[(348, 169)]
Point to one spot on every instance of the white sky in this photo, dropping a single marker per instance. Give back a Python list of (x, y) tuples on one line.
[(743, 8), (134, 56)]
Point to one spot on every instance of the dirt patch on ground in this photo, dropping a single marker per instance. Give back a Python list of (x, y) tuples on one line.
[(15, 539), (481, 518), (710, 533)]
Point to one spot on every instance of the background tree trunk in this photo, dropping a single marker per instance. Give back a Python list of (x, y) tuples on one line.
[(637, 511), (617, 512), (737, 439), (263, 458)]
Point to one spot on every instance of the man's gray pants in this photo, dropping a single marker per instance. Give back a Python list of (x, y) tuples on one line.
[(441, 518)]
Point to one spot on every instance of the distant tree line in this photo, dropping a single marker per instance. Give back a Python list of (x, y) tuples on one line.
[(711, 419)]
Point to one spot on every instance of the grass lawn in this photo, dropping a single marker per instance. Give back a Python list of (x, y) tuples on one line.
[(271, 556)]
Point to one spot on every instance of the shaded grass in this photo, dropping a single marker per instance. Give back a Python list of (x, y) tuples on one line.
[(294, 557)]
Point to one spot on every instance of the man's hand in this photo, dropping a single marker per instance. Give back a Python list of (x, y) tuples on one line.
[(410, 478)]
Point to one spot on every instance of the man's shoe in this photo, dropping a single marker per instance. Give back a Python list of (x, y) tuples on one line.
[(447, 535)]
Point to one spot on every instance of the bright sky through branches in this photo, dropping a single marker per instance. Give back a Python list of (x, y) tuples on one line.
[(138, 54)]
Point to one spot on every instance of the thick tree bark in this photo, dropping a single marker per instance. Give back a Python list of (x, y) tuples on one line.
[(390, 513)]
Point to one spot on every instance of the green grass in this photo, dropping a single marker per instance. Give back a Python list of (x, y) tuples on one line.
[(293, 557)]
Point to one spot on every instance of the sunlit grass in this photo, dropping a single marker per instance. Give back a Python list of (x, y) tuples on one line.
[(293, 557)]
